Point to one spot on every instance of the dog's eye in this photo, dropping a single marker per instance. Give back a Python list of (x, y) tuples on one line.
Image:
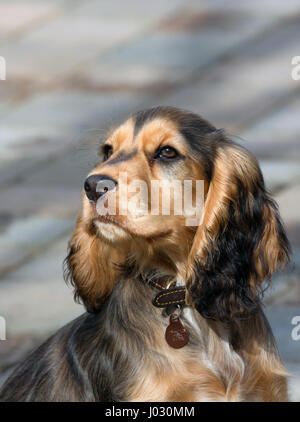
[(167, 152), (107, 151)]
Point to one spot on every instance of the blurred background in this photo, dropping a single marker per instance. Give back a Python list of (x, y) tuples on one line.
[(77, 68)]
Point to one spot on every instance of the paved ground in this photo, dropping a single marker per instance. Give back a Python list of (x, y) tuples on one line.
[(74, 69)]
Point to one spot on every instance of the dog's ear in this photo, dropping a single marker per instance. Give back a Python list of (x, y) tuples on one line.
[(240, 241), (90, 267)]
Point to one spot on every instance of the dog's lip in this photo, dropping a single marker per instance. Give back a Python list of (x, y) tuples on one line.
[(111, 220), (108, 219)]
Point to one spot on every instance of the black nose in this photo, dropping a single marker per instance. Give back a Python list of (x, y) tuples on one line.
[(97, 185)]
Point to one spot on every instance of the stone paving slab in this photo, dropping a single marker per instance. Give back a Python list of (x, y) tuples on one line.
[(40, 200), (35, 302), (22, 238), (288, 201), (53, 189), (279, 174), (18, 15), (294, 381), (61, 110), (280, 318), (242, 88), (14, 350), (134, 9), (48, 123), (289, 294), (49, 47), (34, 299), (277, 135), (186, 42), (55, 47), (273, 8)]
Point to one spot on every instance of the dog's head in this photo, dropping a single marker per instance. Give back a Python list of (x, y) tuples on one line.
[(139, 201)]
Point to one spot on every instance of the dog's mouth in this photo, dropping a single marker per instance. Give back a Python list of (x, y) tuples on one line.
[(110, 229), (110, 216), (116, 227)]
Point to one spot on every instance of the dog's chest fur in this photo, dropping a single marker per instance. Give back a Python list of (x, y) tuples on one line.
[(206, 369), (215, 365), (120, 354)]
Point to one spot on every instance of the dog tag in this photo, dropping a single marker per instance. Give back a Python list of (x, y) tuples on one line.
[(177, 335)]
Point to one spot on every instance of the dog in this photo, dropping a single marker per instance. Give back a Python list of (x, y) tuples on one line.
[(174, 310)]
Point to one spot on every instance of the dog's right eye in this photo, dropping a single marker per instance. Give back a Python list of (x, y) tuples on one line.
[(166, 153), (107, 152)]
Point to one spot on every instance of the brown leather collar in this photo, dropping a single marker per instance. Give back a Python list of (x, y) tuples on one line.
[(168, 296)]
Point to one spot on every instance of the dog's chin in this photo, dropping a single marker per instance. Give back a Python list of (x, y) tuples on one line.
[(110, 232)]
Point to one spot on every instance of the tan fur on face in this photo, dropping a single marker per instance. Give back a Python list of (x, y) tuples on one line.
[(149, 236), (122, 137)]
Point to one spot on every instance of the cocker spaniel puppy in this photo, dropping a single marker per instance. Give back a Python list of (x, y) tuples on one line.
[(172, 294)]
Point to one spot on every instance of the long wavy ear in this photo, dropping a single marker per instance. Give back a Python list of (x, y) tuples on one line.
[(90, 267), (241, 240)]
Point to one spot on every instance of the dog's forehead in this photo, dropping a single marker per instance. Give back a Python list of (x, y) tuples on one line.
[(123, 135), (147, 136)]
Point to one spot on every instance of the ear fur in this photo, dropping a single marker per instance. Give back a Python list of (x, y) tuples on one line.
[(240, 242), (90, 267)]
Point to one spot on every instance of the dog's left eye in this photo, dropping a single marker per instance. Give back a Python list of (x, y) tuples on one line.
[(167, 152)]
